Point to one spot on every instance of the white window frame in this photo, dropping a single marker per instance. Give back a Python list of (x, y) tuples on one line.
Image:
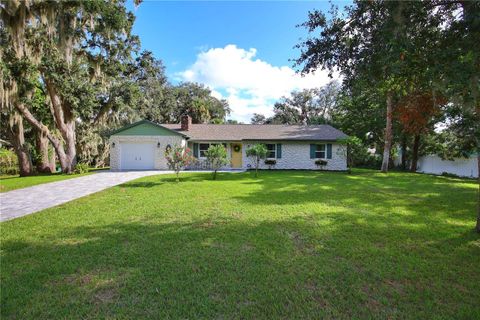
[(319, 151), (200, 150), (269, 151), (209, 144)]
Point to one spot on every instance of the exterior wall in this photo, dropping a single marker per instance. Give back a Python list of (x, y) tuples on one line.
[(229, 150), (460, 166), (296, 155), (160, 162)]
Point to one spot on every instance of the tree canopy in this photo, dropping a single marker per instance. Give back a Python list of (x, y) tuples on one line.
[(307, 106), (72, 70), (418, 61)]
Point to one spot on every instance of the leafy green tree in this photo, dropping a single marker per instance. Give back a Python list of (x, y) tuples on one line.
[(8, 162), (139, 91), (416, 113), (360, 112), (12, 123), (78, 49), (44, 154), (396, 47), (197, 101), (156, 102), (216, 157), (178, 158), (308, 106), (258, 119), (13, 130), (257, 152), (32, 148), (461, 75), (351, 148), (370, 42)]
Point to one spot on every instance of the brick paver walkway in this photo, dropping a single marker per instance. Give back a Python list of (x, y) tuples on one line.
[(20, 202)]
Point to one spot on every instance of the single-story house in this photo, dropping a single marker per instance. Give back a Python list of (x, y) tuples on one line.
[(142, 145)]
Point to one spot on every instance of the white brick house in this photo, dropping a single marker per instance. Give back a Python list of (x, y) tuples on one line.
[(141, 146)]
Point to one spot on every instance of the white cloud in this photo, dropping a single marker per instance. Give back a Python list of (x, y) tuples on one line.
[(250, 85)]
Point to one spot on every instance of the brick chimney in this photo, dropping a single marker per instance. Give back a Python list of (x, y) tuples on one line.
[(186, 122)]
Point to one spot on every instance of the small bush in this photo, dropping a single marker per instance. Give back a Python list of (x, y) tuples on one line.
[(178, 158), (450, 175), (370, 161), (217, 157), (256, 153), (81, 168), (8, 162), (321, 163)]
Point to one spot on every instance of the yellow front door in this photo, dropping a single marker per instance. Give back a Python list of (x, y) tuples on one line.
[(236, 155)]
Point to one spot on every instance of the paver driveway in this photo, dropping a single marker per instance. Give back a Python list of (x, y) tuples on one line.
[(20, 202)]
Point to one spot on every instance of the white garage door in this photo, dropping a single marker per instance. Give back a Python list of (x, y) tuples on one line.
[(137, 156)]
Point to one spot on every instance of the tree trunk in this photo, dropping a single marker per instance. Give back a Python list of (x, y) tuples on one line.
[(404, 153), (64, 118), (70, 144), (478, 202), (416, 145), (388, 133), (347, 154), (44, 163), (17, 137), (65, 122), (476, 94), (57, 144), (24, 163), (470, 14)]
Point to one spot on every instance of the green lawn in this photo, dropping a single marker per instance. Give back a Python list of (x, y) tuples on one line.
[(286, 245), (12, 182)]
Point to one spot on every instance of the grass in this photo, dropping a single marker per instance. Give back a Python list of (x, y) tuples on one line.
[(286, 245), (12, 182)]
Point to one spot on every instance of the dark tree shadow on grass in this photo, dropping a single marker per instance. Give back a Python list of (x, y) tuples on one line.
[(373, 193), (185, 177), (351, 246), (226, 268)]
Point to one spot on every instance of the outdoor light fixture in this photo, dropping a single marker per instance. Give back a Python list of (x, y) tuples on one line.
[(158, 145), (113, 145)]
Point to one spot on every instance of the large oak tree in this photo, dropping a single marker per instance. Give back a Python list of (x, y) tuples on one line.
[(395, 46), (370, 42), (75, 48)]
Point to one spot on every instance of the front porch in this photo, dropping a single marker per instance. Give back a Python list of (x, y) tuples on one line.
[(234, 154)]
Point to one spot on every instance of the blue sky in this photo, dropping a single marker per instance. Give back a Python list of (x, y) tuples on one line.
[(241, 50)]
